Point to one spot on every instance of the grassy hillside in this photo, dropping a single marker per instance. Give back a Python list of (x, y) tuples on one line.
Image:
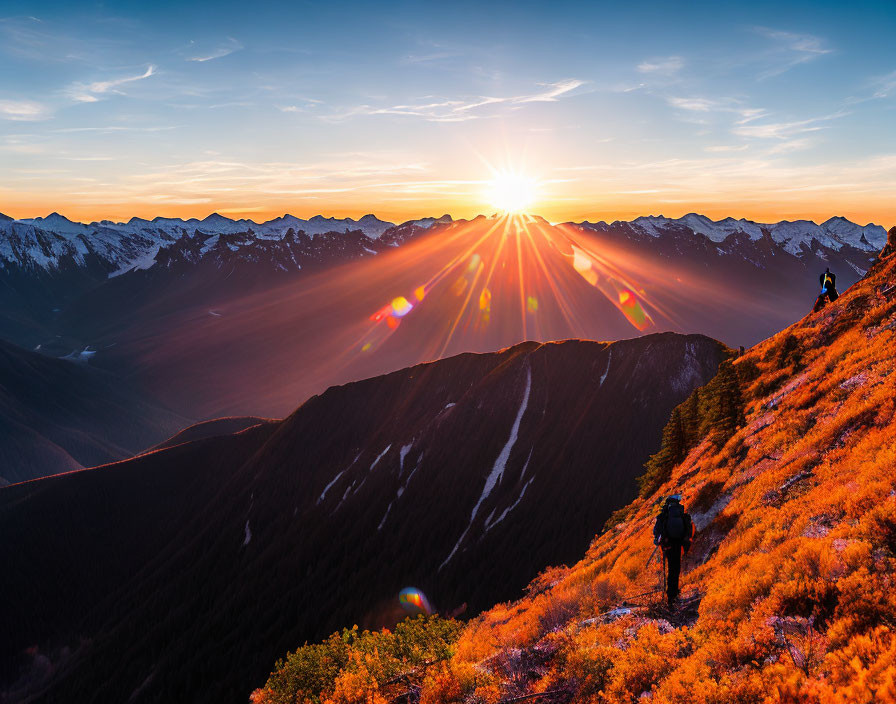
[(788, 591)]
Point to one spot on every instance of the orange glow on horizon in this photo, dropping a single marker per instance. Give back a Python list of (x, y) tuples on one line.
[(880, 212)]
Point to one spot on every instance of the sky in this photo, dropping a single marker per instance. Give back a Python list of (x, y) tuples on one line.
[(769, 111)]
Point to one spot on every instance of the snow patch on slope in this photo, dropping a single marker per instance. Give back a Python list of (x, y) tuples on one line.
[(380, 456), (500, 464), (327, 487), (489, 524), (607, 370)]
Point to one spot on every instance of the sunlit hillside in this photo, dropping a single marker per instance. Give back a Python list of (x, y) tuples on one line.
[(787, 593)]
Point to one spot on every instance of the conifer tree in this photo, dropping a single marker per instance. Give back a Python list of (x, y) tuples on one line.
[(673, 449), (727, 404), (690, 419)]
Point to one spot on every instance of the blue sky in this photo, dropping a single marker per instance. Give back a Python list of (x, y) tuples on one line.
[(764, 110)]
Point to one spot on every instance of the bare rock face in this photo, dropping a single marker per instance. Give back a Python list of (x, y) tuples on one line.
[(890, 247)]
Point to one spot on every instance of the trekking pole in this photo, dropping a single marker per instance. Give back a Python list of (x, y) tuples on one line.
[(663, 576), (650, 559)]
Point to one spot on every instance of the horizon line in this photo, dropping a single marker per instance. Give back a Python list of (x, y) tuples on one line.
[(448, 214)]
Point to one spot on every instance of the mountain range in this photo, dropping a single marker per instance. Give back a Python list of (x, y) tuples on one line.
[(280, 334), (177, 306), (185, 571), (787, 590), (55, 242), (182, 573), (226, 322)]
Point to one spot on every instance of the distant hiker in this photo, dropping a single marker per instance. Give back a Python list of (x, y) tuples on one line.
[(673, 532), (828, 283)]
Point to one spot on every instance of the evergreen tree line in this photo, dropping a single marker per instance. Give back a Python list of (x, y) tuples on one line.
[(715, 411)]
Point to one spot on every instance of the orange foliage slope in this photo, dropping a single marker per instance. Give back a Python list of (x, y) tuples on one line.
[(788, 592)]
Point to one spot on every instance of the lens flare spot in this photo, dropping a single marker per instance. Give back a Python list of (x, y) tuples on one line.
[(414, 601), (532, 304), (381, 313), (367, 346), (475, 260), (401, 306), (581, 262), (393, 322), (632, 310), (420, 293), (485, 300), (583, 265)]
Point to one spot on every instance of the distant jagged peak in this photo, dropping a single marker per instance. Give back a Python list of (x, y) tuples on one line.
[(53, 218), (55, 222), (430, 222), (792, 235), (216, 217)]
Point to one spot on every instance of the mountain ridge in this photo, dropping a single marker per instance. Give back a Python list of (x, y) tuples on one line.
[(836, 232), (59, 415), (447, 459), (787, 589)]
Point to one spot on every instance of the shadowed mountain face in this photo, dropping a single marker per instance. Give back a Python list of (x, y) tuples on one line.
[(463, 286), (212, 428), (59, 415), (463, 477)]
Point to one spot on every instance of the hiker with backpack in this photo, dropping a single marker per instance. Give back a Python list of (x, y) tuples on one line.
[(828, 283), (673, 532)]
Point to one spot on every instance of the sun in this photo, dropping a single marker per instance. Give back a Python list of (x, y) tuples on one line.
[(511, 192)]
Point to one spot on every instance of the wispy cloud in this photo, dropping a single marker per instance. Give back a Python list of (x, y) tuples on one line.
[(225, 49), (308, 104), (876, 88), (790, 49), (693, 104), (431, 57), (727, 179), (23, 110), (786, 130), (665, 67), (551, 93), (885, 86), (89, 92), (113, 128), (723, 148), (460, 110), (792, 145), (726, 105)]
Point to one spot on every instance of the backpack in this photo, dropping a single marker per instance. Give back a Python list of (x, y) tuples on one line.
[(676, 523)]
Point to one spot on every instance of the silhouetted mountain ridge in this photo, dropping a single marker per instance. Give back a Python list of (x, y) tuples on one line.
[(58, 415), (450, 476)]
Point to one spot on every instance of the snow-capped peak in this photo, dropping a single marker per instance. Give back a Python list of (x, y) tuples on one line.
[(61, 225), (430, 222), (793, 236)]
